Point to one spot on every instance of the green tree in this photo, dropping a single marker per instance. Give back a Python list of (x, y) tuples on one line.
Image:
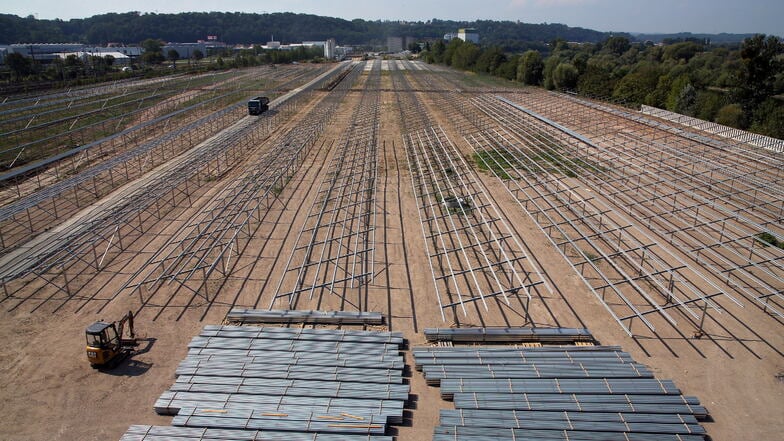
[(708, 104), (731, 115), (547, 73), (676, 87), (19, 64), (451, 49), (769, 118), (152, 45), (597, 81), (635, 86), (565, 76), (152, 58), (686, 100), (466, 56), (616, 45), (437, 52), (682, 51), (172, 55), (490, 59), (197, 55), (530, 68), (508, 69), (762, 60)]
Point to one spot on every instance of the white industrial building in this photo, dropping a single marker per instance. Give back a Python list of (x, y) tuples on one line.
[(129, 51), (468, 34), (465, 34), (44, 52), (47, 52), (329, 49), (120, 59)]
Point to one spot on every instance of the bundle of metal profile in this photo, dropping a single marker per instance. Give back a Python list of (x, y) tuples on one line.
[(669, 404), (509, 335), (436, 356), (390, 416), (463, 433), (167, 433), (272, 359), (302, 334), (298, 421), (532, 351), (641, 386), (302, 388), (556, 393), (293, 345), (383, 361), (169, 403), (282, 375), (435, 374), (289, 381), (576, 421), (243, 315), (288, 372)]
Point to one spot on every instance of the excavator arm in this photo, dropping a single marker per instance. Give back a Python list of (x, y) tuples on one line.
[(127, 319)]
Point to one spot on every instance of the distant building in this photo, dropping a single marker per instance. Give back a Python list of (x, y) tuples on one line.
[(395, 44), (468, 34), (272, 44), (329, 49), (120, 59), (47, 52), (129, 51), (44, 52), (342, 52), (465, 34), (184, 50)]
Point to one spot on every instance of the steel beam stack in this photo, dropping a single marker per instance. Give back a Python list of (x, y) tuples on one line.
[(554, 393), (509, 335), (165, 433), (243, 315), (254, 383)]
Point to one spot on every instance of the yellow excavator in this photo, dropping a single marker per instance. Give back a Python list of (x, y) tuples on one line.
[(106, 345)]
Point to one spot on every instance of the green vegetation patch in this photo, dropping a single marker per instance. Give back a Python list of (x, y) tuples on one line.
[(768, 239), (552, 158), (495, 161)]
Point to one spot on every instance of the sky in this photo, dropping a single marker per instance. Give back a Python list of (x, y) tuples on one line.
[(645, 16)]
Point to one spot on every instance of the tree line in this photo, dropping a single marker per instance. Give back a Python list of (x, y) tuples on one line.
[(740, 86), (247, 28)]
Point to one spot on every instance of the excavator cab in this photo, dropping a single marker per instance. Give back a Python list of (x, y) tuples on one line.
[(105, 342)]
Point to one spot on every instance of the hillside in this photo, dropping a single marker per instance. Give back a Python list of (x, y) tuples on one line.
[(236, 27)]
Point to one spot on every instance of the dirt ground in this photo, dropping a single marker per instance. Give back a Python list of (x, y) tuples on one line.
[(49, 392)]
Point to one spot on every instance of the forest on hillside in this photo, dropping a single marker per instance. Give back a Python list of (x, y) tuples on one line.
[(741, 86), (245, 28)]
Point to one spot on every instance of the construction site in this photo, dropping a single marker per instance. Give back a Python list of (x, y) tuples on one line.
[(390, 251)]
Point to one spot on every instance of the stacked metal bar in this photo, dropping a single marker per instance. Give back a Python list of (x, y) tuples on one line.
[(165, 433), (254, 383), (243, 315), (555, 393), (509, 335)]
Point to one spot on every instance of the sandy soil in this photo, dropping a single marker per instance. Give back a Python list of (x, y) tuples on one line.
[(49, 391)]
